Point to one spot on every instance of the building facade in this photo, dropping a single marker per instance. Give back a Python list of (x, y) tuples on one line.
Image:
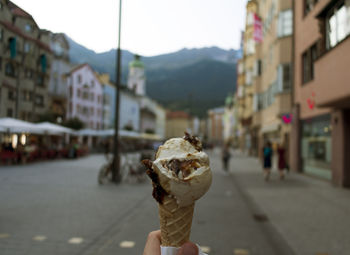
[(130, 116), (245, 89), (151, 108), (321, 112), (177, 123), (129, 113), (216, 125), (57, 83), (136, 77), (264, 76), (25, 62), (230, 120), (85, 96), (272, 74), (108, 101)]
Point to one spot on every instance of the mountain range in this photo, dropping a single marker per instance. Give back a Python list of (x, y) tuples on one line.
[(193, 80)]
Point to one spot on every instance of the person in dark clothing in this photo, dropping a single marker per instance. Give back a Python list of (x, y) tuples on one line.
[(226, 155), (281, 160), (267, 160)]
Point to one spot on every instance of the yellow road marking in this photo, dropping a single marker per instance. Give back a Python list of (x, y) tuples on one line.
[(4, 235), (39, 238), (76, 240), (205, 249), (127, 244), (240, 252)]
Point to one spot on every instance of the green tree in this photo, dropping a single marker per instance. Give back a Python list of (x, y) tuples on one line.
[(74, 123)]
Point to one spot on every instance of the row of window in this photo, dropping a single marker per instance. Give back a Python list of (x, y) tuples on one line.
[(337, 29), (26, 96), (337, 23), (80, 80), (93, 125), (282, 84), (89, 112), (13, 45), (83, 94), (264, 100), (284, 28), (12, 71)]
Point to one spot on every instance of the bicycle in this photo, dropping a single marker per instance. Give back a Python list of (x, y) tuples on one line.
[(105, 173), (128, 171)]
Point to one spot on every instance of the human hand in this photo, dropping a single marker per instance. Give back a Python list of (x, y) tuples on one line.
[(152, 246)]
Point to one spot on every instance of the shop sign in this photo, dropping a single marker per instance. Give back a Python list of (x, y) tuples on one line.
[(287, 118)]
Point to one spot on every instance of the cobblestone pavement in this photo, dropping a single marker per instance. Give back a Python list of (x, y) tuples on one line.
[(58, 208)]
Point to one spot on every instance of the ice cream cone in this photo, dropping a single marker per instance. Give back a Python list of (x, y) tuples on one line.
[(180, 175), (175, 222)]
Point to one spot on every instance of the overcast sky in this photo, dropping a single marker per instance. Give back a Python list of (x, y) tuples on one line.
[(149, 27)]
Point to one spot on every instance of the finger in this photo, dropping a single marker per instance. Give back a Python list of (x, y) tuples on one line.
[(152, 246), (188, 249)]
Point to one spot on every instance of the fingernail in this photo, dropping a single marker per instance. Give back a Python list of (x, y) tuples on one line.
[(189, 249)]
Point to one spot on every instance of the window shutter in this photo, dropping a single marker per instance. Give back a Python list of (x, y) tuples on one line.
[(280, 78), (13, 50), (255, 103), (288, 23), (280, 25)]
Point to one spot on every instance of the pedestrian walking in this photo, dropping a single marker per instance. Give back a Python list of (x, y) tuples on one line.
[(267, 156), (281, 160), (226, 155)]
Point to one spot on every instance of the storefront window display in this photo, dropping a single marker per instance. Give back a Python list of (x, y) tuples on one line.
[(316, 146)]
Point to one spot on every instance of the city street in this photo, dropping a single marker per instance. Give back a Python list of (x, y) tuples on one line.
[(58, 208)]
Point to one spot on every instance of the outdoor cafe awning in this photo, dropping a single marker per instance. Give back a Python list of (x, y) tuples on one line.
[(53, 129), (108, 132), (11, 125)]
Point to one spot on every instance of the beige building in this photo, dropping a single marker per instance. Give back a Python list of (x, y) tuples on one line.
[(59, 67), (265, 76), (321, 126), (245, 89), (272, 75), (177, 123), (216, 125), (25, 59)]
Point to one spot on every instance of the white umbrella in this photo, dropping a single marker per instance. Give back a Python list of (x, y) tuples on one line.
[(131, 134), (87, 132), (53, 129), (11, 125), (108, 132)]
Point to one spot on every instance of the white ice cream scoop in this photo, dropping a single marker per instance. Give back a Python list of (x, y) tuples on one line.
[(183, 169)]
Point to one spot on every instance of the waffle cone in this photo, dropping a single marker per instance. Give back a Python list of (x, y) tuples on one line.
[(175, 222)]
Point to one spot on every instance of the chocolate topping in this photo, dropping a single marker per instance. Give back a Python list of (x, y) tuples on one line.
[(194, 141), (184, 166), (158, 192)]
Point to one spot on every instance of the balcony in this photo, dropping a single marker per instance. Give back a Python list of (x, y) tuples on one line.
[(332, 76), (283, 103)]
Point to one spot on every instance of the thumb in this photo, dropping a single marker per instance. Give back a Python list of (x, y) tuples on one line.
[(188, 249)]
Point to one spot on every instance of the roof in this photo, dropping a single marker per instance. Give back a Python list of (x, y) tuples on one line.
[(218, 110), (137, 62), (177, 115), (18, 11), (62, 36), (19, 32), (79, 66)]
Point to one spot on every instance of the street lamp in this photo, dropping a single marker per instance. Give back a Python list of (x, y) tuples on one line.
[(116, 160)]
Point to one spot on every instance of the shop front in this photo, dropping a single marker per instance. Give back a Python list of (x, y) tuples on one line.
[(316, 146)]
